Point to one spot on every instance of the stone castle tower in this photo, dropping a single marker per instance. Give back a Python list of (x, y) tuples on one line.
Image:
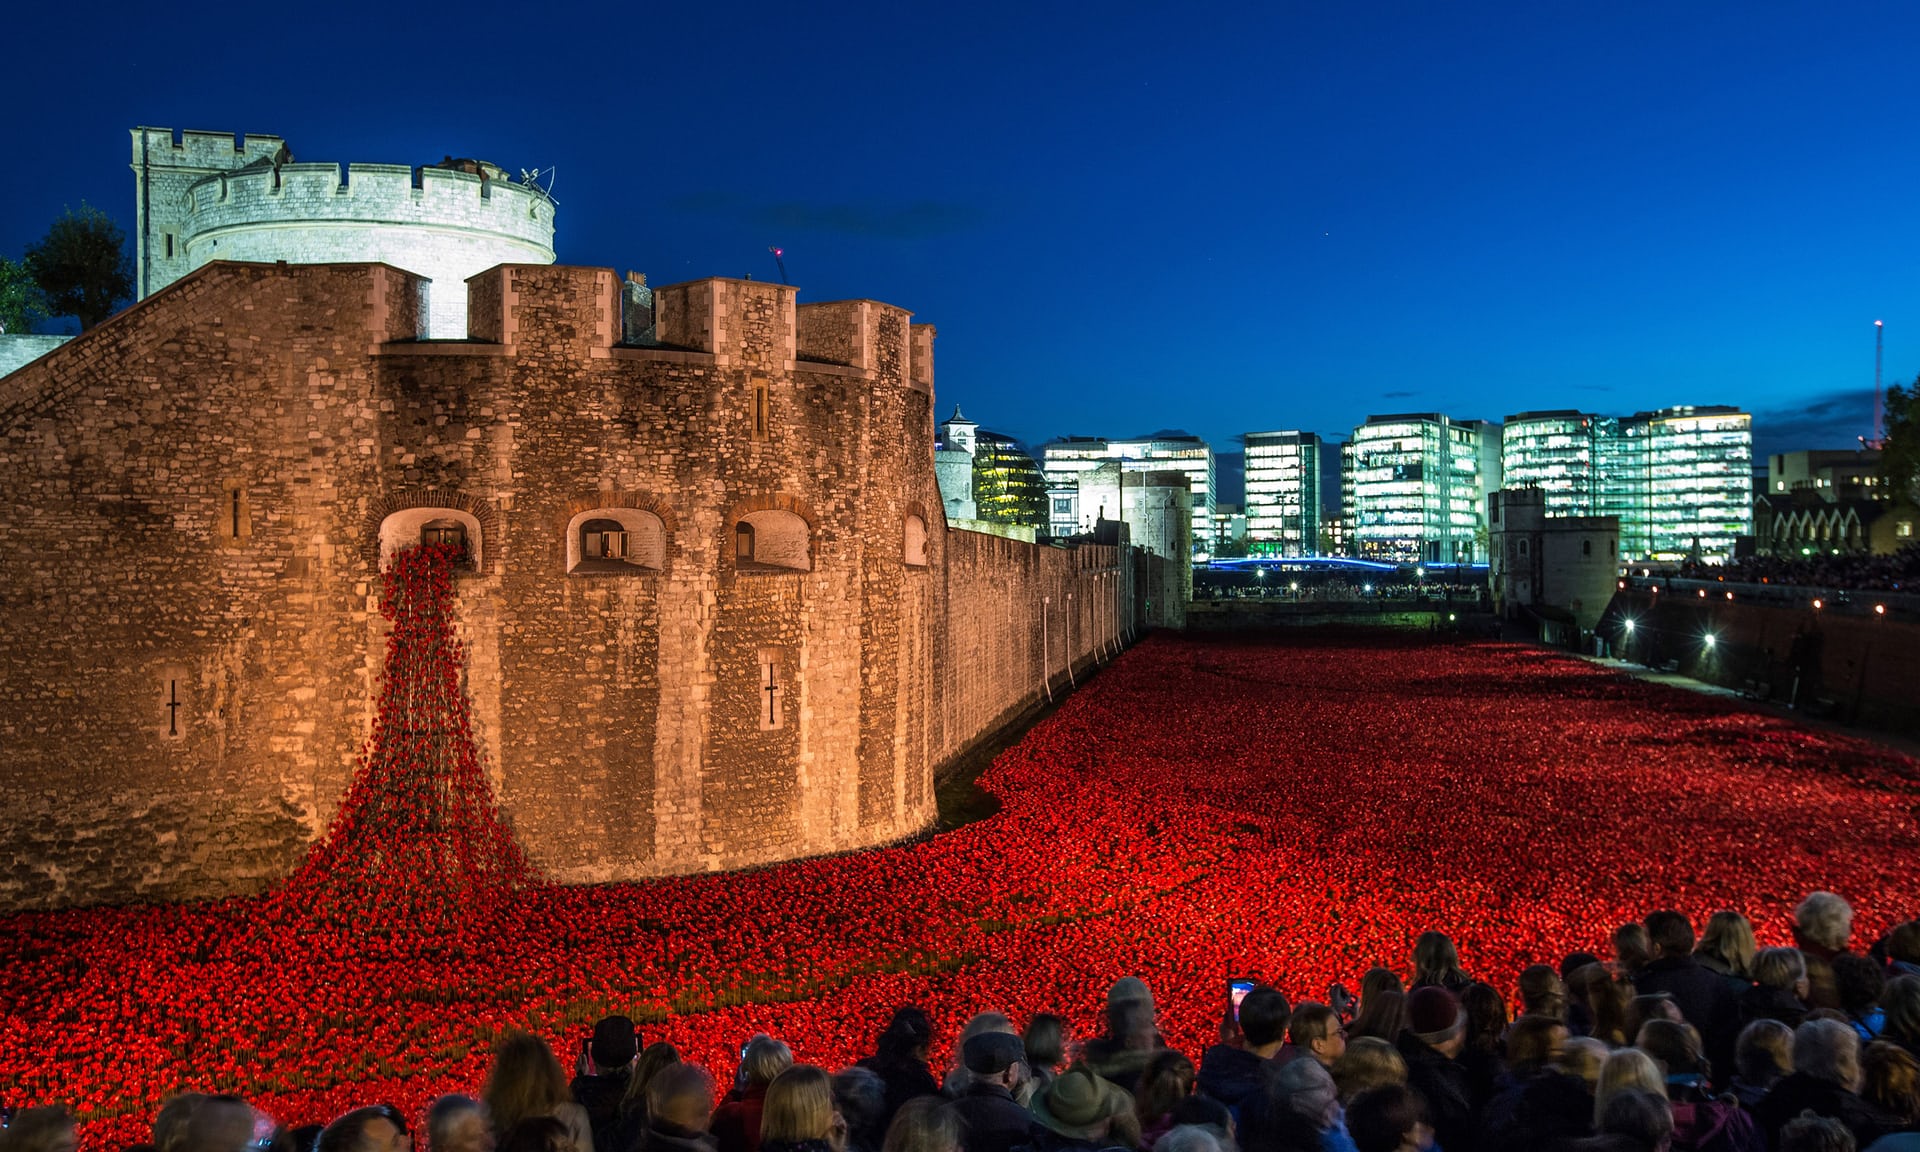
[(205, 196)]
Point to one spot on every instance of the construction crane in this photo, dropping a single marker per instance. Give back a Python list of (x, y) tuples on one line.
[(1879, 438), (779, 262)]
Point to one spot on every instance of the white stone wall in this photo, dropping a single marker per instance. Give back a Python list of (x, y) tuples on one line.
[(17, 350)]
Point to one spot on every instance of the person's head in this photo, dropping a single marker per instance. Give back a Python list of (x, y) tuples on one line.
[(1379, 980), (1606, 998), (1638, 1115), (1534, 1042), (1166, 1080), (646, 1066), (1763, 1053), (170, 1126), (1188, 1138), (1902, 1002), (1810, 1133), (537, 1134), (1859, 981), (907, 1036), (222, 1123), (1130, 1023), (1574, 961), (1729, 939), (525, 1080), (1316, 1031), (1782, 969), (924, 1124), (861, 1096), (362, 1130), (615, 1043), (47, 1129), (1391, 1118), (1674, 1045), (1632, 950), (1046, 1040), (1542, 992), (764, 1059), (1383, 1015), (983, 1022), (1903, 943), (1626, 1069), (799, 1106), (1264, 1017), (1824, 920), (1435, 1018), (1652, 1006), (681, 1095), (1486, 1017), (457, 1123), (1890, 1077), (1080, 1105), (1435, 959), (1670, 933), (994, 1058), (1582, 1057), (1828, 1051), (1198, 1111), (1369, 1062)]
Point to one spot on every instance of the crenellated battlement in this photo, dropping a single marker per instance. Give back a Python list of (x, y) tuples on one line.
[(369, 194), (219, 151)]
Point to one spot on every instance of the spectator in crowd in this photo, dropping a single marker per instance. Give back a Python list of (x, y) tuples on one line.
[(799, 1116), (1822, 928), (737, 1122), (1078, 1112), (1704, 997), (47, 1129), (1607, 1000), (1297, 1110), (679, 1111), (1131, 1038), (1583, 1057), (1810, 1133), (1654, 1006), (1435, 1036), (1864, 573), (1535, 1102), (954, 1084), (1627, 1068), (1902, 950), (525, 1082), (633, 1106), (1890, 1081), (1633, 1120), (1727, 947), (360, 1130), (925, 1124), (992, 1119), (1902, 1003), (1762, 1057), (1314, 1030), (861, 1097), (1190, 1138), (170, 1126), (1389, 1119), (1369, 1062), (900, 1059), (1228, 1072), (1378, 980), (1779, 988), (1542, 992), (1383, 1016), (536, 1134), (1437, 963), (1702, 1120), (601, 1081), (1486, 1032), (1825, 1079), (1632, 951), (1860, 981), (1046, 1044), (457, 1123)]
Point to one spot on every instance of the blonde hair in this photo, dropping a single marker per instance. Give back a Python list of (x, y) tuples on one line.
[(526, 1081), (1369, 1062), (1728, 938), (799, 1106), (1629, 1068), (764, 1059), (1582, 1057)]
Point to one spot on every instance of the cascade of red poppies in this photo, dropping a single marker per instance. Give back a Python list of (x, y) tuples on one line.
[(418, 845)]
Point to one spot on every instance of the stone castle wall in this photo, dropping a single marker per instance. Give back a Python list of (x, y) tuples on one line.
[(196, 498)]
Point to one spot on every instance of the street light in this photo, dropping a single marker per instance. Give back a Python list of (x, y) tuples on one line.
[(1709, 641)]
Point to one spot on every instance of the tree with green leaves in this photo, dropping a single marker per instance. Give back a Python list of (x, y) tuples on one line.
[(20, 301), (82, 266), (1900, 458)]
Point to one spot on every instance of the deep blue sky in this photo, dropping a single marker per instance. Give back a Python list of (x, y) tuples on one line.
[(1222, 217)]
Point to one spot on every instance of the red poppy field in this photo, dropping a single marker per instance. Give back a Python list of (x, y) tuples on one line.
[(1293, 809)]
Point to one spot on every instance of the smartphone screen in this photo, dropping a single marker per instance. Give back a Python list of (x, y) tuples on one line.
[(1237, 989)]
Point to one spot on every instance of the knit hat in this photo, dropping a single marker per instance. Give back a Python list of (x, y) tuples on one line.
[(615, 1043), (1433, 1012), (992, 1053), (1077, 1101), (1306, 1088), (1129, 988)]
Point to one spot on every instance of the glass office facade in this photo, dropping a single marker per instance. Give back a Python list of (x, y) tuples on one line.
[(1419, 485), (1283, 492)]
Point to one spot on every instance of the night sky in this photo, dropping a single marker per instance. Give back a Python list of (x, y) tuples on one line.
[(1222, 218)]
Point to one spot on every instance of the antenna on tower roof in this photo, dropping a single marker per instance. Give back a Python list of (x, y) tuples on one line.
[(779, 260)]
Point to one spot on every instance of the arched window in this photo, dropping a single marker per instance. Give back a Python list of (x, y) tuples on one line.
[(914, 551), (772, 540), (616, 541), (441, 525), (444, 531)]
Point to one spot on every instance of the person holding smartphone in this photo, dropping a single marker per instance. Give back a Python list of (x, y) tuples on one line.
[(1230, 1072), (606, 1060)]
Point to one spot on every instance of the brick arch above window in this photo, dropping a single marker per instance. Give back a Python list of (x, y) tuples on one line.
[(395, 520), (770, 533)]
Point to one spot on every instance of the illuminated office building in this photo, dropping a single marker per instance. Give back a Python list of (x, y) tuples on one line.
[(1065, 459), (1419, 485), (1283, 492), (1551, 451)]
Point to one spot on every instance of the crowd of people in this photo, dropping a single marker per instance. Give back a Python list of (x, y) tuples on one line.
[(1897, 572), (1678, 1044)]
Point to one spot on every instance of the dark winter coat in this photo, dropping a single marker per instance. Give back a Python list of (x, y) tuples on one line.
[(994, 1121), (665, 1137), (1229, 1074), (1443, 1084), (1760, 1003), (600, 1096), (1799, 1093), (905, 1077), (1047, 1140), (1703, 995), (1533, 1111), (1717, 1125)]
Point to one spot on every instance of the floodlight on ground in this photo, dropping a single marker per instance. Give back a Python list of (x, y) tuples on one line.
[(1710, 640), (1818, 604)]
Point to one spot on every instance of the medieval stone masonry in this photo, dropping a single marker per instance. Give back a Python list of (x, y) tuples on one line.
[(714, 617)]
